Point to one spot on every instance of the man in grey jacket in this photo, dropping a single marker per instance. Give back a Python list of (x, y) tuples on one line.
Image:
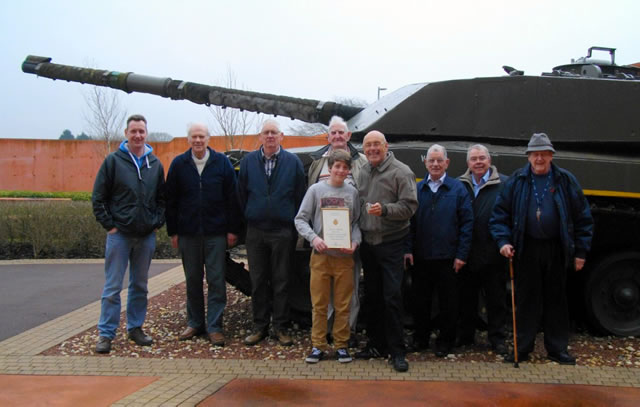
[(128, 201), (388, 200)]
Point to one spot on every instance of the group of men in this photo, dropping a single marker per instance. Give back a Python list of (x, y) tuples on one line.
[(454, 233)]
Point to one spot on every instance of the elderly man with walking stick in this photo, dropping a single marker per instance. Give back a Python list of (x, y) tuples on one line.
[(542, 220)]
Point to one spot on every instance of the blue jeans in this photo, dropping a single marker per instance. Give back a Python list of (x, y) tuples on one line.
[(200, 255), (122, 250)]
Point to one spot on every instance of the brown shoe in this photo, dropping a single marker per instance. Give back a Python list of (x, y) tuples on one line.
[(284, 339), (216, 338), (255, 337), (189, 333)]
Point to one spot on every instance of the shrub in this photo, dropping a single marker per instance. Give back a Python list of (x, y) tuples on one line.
[(57, 229), (74, 196)]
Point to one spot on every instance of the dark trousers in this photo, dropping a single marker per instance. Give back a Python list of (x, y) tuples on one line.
[(429, 275), (541, 292), (269, 254), (204, 255), (492, 278), (383, 272)]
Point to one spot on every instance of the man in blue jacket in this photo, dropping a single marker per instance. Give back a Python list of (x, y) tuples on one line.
[(202, 222), (485, 268), (271, 185), (128, 201), (542, 220), (438, 246)]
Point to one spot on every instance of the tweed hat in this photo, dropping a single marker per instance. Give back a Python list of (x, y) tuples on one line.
[(539, 142)]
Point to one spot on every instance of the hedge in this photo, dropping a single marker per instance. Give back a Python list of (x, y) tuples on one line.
[(74, 196), (57, 229)]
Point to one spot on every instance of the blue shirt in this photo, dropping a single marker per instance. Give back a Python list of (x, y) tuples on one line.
[(484, 179)]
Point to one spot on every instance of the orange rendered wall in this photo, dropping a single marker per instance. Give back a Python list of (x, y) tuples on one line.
[(71, 165)]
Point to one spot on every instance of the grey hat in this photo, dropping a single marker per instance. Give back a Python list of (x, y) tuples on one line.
[(539, 142)]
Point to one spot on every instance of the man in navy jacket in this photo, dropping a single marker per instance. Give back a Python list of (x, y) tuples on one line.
[(202, 221), (542, 220), (271, 185), (438, 246)]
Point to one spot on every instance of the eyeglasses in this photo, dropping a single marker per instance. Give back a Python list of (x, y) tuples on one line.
[(435, 160), (478, 158)]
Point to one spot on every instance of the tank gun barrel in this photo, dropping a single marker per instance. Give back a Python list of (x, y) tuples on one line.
[(308, 110)]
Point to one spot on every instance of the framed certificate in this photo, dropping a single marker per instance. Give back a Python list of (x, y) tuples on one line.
[(336, 228)]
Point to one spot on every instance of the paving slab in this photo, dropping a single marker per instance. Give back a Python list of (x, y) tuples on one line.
[(287, 392), (67, 390)]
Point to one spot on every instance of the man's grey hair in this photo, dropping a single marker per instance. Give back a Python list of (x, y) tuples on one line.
[(478, 147), (437, 148), (338, 120), (192, 125), (273, 122)]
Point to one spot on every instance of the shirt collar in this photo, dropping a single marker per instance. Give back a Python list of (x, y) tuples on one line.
[(485, 177), (441, 180), (275, 155)]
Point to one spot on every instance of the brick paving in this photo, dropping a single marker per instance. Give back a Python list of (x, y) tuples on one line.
[(186, 382)]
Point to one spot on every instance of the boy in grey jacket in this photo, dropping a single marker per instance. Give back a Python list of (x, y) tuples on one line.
[(331, 268)]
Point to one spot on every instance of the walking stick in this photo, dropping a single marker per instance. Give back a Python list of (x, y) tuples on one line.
[(513, 309)]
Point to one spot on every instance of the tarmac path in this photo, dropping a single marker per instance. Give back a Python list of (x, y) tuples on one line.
[(33, 292)]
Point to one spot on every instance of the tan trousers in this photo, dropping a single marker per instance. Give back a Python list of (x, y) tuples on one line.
[(328, 271)]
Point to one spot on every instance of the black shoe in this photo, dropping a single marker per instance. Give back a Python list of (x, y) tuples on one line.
[(500, 349), (562, 357), (103, 345), (139, 337), (522, 357), (400, 364), (369, 353), (315, 356)]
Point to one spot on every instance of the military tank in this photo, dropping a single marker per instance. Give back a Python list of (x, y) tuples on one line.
[(589, 108)]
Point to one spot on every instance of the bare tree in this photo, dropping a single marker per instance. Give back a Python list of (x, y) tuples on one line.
[(233, 123), (105, 117), (300, 128)]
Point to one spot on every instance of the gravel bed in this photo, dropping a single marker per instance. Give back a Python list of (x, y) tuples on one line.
[(166, 319)]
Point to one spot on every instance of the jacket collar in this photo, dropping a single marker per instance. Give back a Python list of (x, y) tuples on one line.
[(187, 154), (316, 155), (525, 171), (494, 178)]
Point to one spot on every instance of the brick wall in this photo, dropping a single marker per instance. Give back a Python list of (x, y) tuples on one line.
[(71, 165)]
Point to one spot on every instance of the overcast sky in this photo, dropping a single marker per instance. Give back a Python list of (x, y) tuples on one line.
[(313, 49)]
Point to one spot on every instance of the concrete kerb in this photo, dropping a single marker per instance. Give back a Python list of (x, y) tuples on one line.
[(179, 385)]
